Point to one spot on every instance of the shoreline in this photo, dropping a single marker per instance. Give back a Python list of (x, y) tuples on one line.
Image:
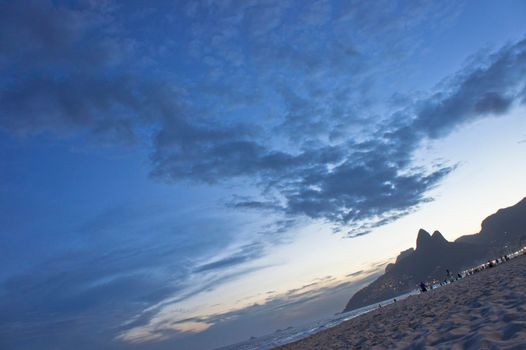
[(484, 310)]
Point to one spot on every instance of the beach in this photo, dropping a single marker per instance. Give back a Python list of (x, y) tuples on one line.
[(484, 311)]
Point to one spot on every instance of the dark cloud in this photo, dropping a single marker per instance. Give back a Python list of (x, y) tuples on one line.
[(485, 88), (245, 254), (357, 273), (372, 182), (100, 108), (214, 159), (356, 191), (68, 71), (81, 72), (252, 204), (37, 32)]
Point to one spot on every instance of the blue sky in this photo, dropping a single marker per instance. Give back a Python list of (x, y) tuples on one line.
[(186, 175)]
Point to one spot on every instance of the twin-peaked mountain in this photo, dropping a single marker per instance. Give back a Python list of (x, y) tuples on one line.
[(501, 232)]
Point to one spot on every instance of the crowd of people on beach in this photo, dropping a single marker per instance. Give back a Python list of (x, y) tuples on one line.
[(424, 287)]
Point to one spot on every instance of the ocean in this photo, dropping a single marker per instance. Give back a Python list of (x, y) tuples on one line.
[(292, 334)]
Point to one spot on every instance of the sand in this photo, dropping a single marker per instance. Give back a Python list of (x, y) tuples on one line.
[(483, 311)]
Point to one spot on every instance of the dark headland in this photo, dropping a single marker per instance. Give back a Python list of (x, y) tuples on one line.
[(500, 233)]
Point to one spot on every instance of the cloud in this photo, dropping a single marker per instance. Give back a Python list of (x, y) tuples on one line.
[(254, 204), (244, 254), (346, 167), (322, 296), (97, 296), (125, 264), (373, 182), (72, 74), (486, 88), (357, 273), (59, 306)]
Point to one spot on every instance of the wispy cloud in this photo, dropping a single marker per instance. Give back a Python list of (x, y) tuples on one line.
[(281, 308), (244, 254), (143, 262)]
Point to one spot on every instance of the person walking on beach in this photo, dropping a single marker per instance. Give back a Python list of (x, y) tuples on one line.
[(449, 276), (423, 288)]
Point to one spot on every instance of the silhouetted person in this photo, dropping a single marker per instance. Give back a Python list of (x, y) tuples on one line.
[(423, 288)]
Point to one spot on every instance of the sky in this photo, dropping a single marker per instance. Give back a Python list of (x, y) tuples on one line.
[(185, 175)]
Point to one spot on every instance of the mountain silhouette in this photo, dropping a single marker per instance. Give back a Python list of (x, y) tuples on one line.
[(501, 232), (507, 227)]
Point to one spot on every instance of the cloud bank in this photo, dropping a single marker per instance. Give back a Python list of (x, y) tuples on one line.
[(82, 73)]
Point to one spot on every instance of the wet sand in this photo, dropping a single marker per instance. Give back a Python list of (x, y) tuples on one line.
[(483, 311)]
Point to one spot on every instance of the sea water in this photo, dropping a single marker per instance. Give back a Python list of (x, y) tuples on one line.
[(292, 334)]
